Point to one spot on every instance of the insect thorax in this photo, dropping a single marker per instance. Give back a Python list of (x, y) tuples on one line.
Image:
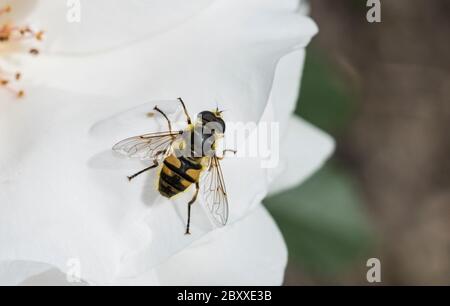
[(196, 143)]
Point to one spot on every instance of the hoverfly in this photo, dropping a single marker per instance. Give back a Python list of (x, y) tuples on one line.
[(189, 157)]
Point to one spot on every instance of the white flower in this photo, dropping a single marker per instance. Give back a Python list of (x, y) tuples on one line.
[(62, 194)]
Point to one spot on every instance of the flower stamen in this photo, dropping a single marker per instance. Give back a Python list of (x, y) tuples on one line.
[(14, 39), (5, 10)]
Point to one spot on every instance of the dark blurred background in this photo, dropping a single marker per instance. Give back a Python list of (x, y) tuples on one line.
[(383, 91)]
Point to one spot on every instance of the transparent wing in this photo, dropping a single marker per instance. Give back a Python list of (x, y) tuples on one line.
[(215, 193), (148, 146)]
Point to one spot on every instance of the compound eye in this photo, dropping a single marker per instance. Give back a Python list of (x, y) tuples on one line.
[(206, 116)]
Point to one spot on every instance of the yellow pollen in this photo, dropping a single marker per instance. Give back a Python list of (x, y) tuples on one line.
[(14, 39)]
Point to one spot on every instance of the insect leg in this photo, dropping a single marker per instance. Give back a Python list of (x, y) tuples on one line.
[(225, 151), (155, 164), (228, 150), (165, 116), (197, 187), (188, 118)]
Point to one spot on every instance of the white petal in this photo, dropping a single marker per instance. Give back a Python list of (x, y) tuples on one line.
[(19, 9), (52, 277), (78, 204), (148, 278), (304, 150), (89, 26), (12, 273), (251, 252), (225, 55), (52, 209), (286, 87)]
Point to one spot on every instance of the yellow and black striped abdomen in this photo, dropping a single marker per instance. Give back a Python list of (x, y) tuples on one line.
[(178, 174)]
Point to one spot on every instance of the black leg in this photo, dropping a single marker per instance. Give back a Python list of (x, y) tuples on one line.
[(197, 187), (224, 152), (165, 116), (142, 171), (188, 118), (228, 150)]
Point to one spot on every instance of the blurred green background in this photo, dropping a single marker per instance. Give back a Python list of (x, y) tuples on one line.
[(323, 220), (382, 91)]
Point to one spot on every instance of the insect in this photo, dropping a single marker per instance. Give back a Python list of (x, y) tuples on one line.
[(188, 158)]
